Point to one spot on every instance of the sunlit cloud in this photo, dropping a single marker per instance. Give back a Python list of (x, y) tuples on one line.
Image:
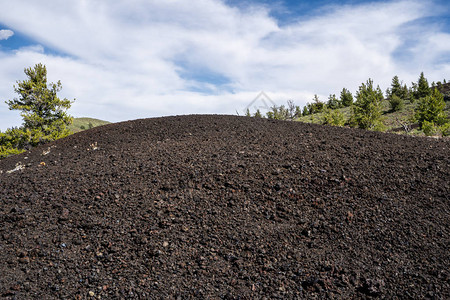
[(6, 34)]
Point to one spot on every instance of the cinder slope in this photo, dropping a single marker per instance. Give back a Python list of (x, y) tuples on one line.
[(226, 207)]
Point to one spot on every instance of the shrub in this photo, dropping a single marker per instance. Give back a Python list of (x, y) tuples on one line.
[(333, 117), (396, 103), (445, 129), (429, 128)]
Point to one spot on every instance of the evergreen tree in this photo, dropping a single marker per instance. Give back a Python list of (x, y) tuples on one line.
[(305, 111), (397, 94), (317, 106), (396, 103), (43, 113), (333, 102), (431, 109), (258, 114), (398, 89), (422, 88), (366, 111), (346, 97)]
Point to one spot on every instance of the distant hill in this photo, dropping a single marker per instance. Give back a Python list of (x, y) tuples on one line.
[(80, 124)]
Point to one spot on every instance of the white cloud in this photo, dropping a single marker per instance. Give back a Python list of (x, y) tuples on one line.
[(126, 60), (6, 34)]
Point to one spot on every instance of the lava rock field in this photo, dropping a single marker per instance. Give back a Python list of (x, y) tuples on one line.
[(226, 207)]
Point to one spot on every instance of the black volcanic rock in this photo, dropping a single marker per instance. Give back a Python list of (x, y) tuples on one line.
[(226, 207)]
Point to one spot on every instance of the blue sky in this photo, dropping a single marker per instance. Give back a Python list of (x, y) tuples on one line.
[(124, 60)]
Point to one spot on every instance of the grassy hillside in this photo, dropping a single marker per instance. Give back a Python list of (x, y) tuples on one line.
[(80, 124), (390, 119)]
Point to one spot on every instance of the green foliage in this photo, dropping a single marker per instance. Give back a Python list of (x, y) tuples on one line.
[(445, 129), (397, 89), (396, 103), (13, 141), (247, 113), (429, 128), (44, 114), (289, 112), (333, 117), (258, 114), (412, 92), (317, 104), (305, 111), (5, 151), (422, 89), (333, 102), (346, 97), (431, 109), (313, 108), (40, 107), (366, 111), (298, 112), (278, 113)]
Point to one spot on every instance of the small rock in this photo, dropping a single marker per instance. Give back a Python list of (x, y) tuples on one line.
[(165, 244), (91, 293), (24, 260)]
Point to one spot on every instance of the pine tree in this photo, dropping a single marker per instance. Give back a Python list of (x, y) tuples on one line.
[(346, 97), (397, 94), (305, 110), (396, 103), (423, 89), (366, 111), (431, 109), (398, 89), (333, 102), (44, 114), (317, 106)]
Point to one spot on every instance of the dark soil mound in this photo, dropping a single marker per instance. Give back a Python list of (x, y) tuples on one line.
[(226, 207)]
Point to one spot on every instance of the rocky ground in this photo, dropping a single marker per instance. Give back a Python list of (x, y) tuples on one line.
[(226, 207)]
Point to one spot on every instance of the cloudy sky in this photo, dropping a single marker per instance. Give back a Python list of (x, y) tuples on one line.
[(128, 59)]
